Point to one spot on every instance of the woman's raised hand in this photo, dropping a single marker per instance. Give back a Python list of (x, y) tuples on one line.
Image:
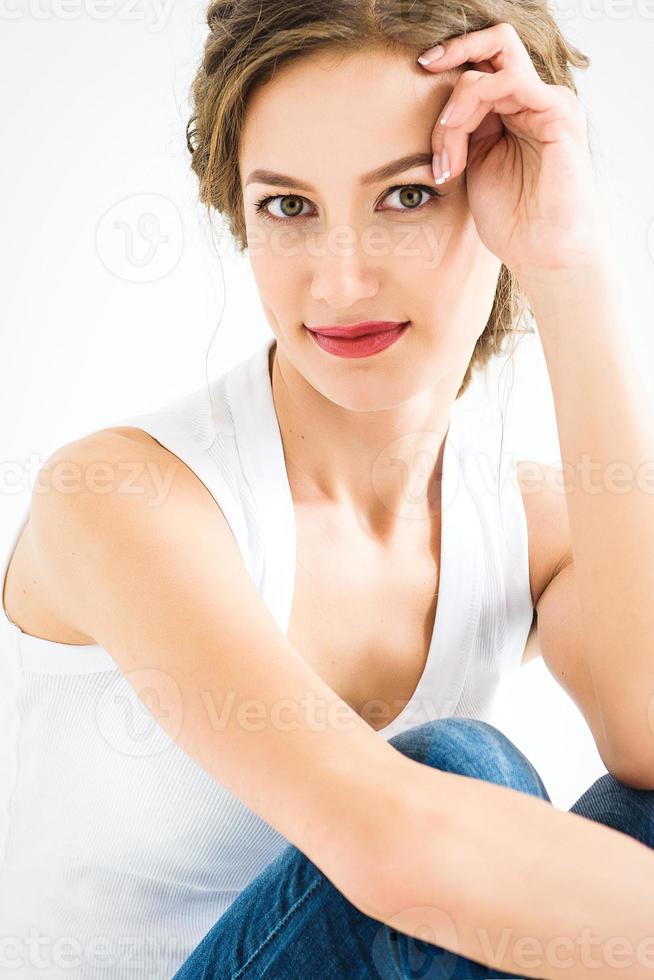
[(523, 144)]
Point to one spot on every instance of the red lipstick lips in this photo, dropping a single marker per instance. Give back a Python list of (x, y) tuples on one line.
[(360, 339), (359, 329)]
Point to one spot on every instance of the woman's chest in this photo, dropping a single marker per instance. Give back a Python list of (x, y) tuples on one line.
[(363, 613)]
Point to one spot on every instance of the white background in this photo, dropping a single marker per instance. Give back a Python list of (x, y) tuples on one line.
[(97, 324)]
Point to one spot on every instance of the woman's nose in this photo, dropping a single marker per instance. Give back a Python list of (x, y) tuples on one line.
[(339, 281)]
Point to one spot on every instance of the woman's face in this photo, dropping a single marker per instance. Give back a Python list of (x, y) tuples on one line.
[(338, 249)]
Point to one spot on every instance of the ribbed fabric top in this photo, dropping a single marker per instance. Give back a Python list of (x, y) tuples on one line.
[(119, 852)]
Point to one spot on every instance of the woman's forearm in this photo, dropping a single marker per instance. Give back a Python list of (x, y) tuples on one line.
[(606, 433), (507, 879)]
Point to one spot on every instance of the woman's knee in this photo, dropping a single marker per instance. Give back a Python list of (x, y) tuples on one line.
[(471, 747), (621, 807)]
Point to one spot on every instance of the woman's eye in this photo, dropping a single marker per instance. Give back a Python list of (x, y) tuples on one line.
[(291, 205), (293, 210), (409, 196)]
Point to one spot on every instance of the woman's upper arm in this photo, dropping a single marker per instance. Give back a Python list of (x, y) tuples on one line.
[(161, 584)]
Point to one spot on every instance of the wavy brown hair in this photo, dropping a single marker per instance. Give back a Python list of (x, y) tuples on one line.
[(249, 39)]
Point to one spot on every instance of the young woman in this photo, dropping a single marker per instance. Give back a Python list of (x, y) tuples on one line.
[(312, 558)]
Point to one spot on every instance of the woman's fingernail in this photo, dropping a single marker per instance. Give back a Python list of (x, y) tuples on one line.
[(446, 113), (432, 54), (441, 166), (445, 163)]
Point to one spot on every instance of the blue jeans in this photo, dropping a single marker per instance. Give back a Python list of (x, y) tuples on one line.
[(292, 923)]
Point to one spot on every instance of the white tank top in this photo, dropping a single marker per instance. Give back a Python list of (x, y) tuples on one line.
[(119, 851)]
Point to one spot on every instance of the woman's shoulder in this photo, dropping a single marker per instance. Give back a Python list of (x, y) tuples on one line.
[(130, 432), (119, 442), (98, 458), (111, 498)]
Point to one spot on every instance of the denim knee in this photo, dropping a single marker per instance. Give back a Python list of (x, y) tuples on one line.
[(621, 807), (471, 747)]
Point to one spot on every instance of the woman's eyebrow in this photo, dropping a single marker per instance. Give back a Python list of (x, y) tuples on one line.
[(380, 173)]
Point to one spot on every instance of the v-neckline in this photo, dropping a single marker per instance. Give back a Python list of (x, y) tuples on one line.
[(261, 451)]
